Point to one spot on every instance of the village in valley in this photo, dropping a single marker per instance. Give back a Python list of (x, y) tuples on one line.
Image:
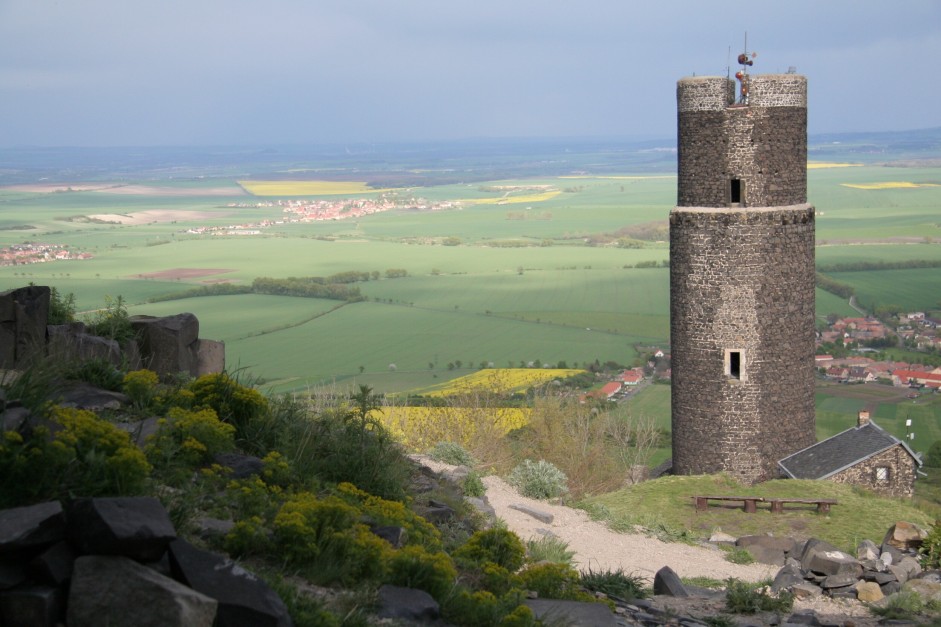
[(844, 345)]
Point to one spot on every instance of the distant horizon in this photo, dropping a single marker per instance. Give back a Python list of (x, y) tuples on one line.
[(482, 139)]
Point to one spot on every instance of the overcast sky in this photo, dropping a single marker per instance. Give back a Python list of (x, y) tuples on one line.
[(182, 72)]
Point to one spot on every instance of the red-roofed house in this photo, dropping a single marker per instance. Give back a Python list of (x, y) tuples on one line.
[(916, 377), (610, 389)]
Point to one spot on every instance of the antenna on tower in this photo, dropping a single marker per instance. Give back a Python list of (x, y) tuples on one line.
[(745, 60)]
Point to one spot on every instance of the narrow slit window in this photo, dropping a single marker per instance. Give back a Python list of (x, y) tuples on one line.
[(735, 191), (735, 364)]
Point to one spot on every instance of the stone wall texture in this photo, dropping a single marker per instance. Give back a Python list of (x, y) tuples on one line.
[(763, 145), (742, 279), (900, 481)]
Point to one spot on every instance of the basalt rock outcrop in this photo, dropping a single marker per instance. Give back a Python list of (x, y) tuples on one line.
[(118, 561), (167, 345)]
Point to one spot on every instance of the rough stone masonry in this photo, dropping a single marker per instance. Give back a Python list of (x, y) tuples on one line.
[(741, 278)]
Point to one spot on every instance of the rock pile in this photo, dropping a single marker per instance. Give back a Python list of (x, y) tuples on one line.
[(118, 561), (815, 567)]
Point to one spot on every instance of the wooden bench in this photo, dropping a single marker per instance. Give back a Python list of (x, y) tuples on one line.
[(823, 505), (750, 503)]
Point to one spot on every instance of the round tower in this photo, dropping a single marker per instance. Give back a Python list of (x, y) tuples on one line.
[(741, 278)]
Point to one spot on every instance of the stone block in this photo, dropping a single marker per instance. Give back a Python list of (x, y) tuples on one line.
[(398, 603), (210, 357), (137, 527), (31, 526), (667, 583), (31, 606), (117, 591), (243, 598)]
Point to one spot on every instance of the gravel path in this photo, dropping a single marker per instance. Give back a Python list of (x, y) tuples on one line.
[(599, 548)]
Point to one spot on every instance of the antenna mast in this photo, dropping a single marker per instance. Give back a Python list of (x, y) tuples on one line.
[(745, 60)]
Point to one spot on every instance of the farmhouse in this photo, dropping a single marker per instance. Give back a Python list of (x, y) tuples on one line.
[(863, 455), (902, 378)]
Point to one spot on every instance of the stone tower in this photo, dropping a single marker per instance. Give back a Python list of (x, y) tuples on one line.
[(741, 278)]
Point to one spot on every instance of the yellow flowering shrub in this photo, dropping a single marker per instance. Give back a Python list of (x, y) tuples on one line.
[(325, 539), (393, 513), (414, 567), (83, 456), (189, 438), (140, 386)]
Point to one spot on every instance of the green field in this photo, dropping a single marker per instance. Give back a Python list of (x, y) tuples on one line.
[(526, 281)]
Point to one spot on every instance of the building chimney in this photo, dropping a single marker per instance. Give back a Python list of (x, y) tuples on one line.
[(863, 419)]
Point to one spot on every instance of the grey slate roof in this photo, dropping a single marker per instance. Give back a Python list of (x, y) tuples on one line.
[(846, 449)]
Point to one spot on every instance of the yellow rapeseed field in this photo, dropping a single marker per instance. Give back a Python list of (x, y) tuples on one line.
[(421, 428), (512, 200), (499, 380), (889, 185), (820, 165), (307, 188)]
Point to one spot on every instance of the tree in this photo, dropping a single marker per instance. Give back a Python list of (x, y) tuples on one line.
[(364, 402), (933, 459)]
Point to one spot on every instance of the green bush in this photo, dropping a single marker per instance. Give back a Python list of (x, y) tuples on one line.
[(538, 480), (484, 609), (615, 583), (500, 546), (473, 485), (342, 448), (189, 438), (61, 308), (239, 405), (930, 549), (549, 549), (738, 555), (140, 386), (78, 455), (553, 581), (324, 539), (413, 567), (98, 372), (451, 453), (392, 513), (745, 598), (112, 322)]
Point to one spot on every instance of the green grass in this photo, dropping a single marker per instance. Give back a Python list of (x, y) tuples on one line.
[(538, 301), (666, 503)]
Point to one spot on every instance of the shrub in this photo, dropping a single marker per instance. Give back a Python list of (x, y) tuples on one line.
[(341, 448), (98, 372), (324, 538), (473, 485), (500, 546), (553, 581), (413, 567), (112, 322), (538, 480), (189, 438), (140, 386), (451, 453), (82, 455), (61, 308), (744, 598), (930, 549), (392, 513), (484, 609), (549, 549), (239, 405), (903, 605), (615, 583), (738, 555)]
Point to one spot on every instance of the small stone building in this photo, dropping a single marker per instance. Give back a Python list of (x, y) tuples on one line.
[(863, 455)]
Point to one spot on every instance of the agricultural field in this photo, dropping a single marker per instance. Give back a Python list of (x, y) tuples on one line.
[(563, 260)]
